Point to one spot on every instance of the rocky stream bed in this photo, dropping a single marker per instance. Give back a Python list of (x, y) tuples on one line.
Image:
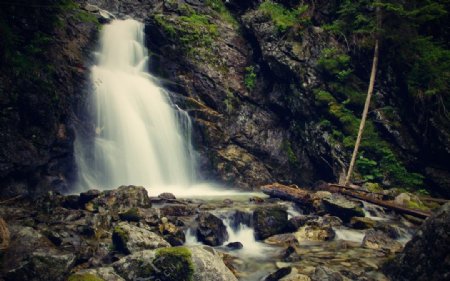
[(125, 234)]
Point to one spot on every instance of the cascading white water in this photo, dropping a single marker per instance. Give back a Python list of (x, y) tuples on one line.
[(140, 138)]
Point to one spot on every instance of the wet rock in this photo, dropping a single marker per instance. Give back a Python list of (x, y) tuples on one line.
[(377, 240), (128, 238), (323, 273), (299, 221), (209, 265), (101, 273), (339, 206), (120, 200), (211, 229), (256, 200), (171, 233), (290, 254), (235, 245), (241, 217), (287, 239), (137, 265), (227, 202), (426, 255), (315, 233), (317, 197), (392, 231), (43, 264), (167, 196), (87, 196), (177, 210), (362, 223), (269, 220), (277, 275)]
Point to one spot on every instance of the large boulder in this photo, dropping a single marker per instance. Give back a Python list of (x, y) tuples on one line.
[(427, 255), (211, 229), (118, 200), (270, 220), (199, 263), (128, 238), (338, 205)]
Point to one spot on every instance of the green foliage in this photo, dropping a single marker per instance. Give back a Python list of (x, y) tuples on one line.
[(219, 7), (250, 78), (195, 32), (335, 64), (286, 146), (368, 169), (284, 18), (323, 97), (174, 263)]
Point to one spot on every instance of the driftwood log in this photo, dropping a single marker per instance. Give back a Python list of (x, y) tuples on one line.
[(387, 204), (4, 235), (289, 193)]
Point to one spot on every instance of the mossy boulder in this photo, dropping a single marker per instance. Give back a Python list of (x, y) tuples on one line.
[(270, 220), (174, 264), (84, 277), (131, 214), (338, 205), (128, 238)]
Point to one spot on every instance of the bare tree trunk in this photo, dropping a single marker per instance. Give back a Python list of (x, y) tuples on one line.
[(364, 115)]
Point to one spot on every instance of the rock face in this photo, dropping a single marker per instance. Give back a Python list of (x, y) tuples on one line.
[(211, 229), (269, 221), (42, 85), (338, 205), (427, 255)]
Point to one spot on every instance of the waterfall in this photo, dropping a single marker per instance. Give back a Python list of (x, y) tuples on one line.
[(140, 137)]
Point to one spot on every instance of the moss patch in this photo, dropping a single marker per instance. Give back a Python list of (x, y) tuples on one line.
[(174, 264), (130, 215), (120, 239), (284, 18), (84, 277)]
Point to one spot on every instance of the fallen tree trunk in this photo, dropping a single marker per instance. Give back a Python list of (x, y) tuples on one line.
[(289, 193), (386, 204)]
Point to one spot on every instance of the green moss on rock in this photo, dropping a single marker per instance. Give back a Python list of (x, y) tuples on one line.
[(130, 215), (120, 239), (174, 264), (84, 277)]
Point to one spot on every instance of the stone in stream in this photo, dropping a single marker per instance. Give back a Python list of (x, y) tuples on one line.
[(96, 274), (277, 275), (427, 255), (128, 238), (167, 196), (315, 233), (211, 230), (338, 205), (171, 233), (362, 223), (177, 210), (377, 240), (235, 245), (270, 220)]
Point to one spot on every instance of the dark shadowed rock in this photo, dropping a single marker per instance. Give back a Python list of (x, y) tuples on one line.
[(235, 245), (277, 275), (362, 223), (211, 229), (177, 210), (269, 220), (427, 255)]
